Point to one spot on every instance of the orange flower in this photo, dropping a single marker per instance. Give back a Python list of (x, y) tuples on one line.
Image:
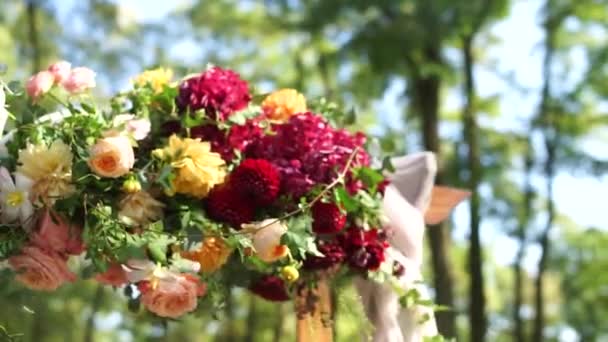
[(212, 254), (39, 269), (282, 104), (115, 275), (173, 295)]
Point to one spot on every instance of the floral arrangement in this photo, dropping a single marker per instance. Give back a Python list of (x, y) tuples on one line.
[(177, 191)]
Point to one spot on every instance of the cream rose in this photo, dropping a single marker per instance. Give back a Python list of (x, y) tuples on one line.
[(266, 239), (112, 157)]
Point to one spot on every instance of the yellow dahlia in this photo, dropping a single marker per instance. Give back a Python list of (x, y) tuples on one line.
[(211, 255), (282, 104), (50, 169), (197, 169), (156, 78), (140, 208)]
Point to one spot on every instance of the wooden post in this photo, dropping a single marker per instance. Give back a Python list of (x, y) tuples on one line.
[(313, 312)]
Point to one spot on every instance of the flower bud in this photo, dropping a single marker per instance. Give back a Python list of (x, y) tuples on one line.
[(131, 185), (290, 274)]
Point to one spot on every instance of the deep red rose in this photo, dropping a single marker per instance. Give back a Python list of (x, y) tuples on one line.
[(327, 218), (271, 288), (333, 254)]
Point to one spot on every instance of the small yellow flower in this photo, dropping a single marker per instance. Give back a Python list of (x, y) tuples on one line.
[(211, 255), (140, 208), (131, 185), (49, 168), (197, 169), (282, 104), (290, 274), (155, 78)]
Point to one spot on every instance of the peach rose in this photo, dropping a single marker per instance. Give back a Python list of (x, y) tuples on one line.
[(112, 157), (39, 269), (54, 234), (60, 70), (79, 80), (115, 276), (39, 84), (172, 296)]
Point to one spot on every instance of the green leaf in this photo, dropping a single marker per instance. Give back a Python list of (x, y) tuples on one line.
[(387, 164), (370, 177), (344, 199)]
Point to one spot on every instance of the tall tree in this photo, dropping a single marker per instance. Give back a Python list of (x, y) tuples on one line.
[(525, 215), (546, 115), (32, 20)]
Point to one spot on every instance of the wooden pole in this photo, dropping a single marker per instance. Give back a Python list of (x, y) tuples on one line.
[(313, 312)]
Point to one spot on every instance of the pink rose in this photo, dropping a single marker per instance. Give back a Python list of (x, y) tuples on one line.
[(54, 234), (79, 80), (115, 276), (60, 70), (112, 156), (39, 84), (172, 296), (39, 269)]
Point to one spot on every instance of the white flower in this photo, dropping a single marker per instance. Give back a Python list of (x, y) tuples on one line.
[(15, 198), (127, 124)]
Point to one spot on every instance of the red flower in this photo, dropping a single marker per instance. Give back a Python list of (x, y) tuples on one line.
[(308, 151), (226, 205), (333, 254), (225, 142), (327, 218), (258, 180), (365, 250), (271, 288), (220, 92)]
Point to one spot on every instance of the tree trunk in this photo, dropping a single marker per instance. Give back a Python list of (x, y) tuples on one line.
[(477, 317), (33, 35), (550, 136), (518, 324), (279, 323), (89, 329), (539, 301), (229, 332), (426, 95), (251, 319), (38, 328)]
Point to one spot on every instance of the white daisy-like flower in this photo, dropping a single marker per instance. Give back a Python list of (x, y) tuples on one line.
[(15, 199)]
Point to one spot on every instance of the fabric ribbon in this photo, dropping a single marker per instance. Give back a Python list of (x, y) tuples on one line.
[(405, 202)]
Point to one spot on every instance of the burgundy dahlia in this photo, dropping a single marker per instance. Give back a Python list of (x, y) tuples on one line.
[(333, 254), (271, 288), (226, 205), (220, 92), (258, 180), (327, 218)]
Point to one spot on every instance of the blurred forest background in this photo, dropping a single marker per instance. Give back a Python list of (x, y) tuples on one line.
[(511, 95)]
